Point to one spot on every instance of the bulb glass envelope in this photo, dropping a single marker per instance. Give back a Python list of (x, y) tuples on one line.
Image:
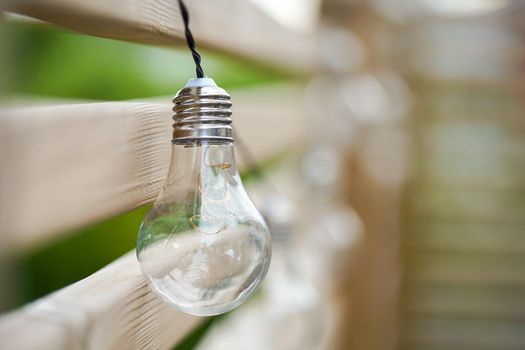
[(204, 246)]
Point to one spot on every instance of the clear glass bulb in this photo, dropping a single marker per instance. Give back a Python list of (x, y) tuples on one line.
[(204, 246)]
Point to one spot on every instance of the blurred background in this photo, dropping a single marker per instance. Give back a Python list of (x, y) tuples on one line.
[(398, 224)]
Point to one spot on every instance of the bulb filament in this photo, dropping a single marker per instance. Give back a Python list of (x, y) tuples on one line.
[(214, 222)]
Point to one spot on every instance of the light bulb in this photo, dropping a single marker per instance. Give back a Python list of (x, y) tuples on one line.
[(203, 246)]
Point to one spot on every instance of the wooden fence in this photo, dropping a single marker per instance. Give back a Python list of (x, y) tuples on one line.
[(68, 165)]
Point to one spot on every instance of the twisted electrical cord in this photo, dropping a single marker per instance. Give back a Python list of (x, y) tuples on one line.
[(253, 164), (190, 40)]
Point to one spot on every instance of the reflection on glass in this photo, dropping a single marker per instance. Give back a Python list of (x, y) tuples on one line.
[(204, 246)]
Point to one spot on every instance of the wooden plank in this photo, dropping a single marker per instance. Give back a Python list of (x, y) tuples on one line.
[(450, 333), (466, 204), (456, 301), (64, 166), (466, 237), (467, 269), (112, 309), (69, 165), (235, 26)]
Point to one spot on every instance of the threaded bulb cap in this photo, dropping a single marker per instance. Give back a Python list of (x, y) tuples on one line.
[(202, 112)]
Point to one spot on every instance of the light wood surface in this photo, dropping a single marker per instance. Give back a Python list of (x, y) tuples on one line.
[(235, 26), (112, 309), (64, 166), (495, 302), (457, 333)]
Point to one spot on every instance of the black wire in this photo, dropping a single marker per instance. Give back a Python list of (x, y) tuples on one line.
[(190, 40)]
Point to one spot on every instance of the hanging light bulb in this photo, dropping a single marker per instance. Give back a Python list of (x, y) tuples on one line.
[(204, 246)]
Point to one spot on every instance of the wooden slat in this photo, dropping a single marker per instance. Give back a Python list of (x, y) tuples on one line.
[(467, 237), (456, 301), (465, 269), (465, 334), (112, 309), (64, 166), (235, 26), (463, 205)]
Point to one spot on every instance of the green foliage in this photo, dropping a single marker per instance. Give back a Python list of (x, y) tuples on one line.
[(78, 255), (50, 62), (190, 341), (159, 228)]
